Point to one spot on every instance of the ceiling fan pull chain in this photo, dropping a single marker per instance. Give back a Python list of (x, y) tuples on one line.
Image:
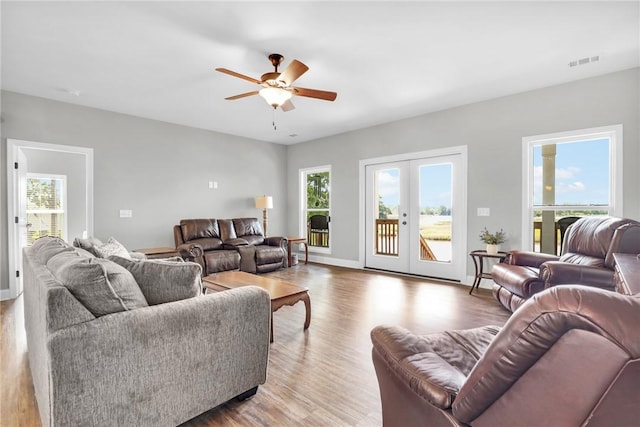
[(274, 120)]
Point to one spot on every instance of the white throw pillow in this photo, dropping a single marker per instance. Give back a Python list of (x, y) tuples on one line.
[(112, 247)]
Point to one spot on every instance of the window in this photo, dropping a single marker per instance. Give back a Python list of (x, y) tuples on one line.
[(46, 204), (316, 207), (568, 176)]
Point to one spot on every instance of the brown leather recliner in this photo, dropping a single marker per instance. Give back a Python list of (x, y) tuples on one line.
[(229, 244), (570, 356), (586, 259)]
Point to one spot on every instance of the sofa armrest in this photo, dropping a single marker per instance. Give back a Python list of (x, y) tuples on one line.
[(137, 367), (530, 259), (190, 251), (283, 243), (276, 241), (562, 273)]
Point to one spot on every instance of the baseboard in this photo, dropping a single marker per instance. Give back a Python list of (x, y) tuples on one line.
[(5, 294), (329, 261), (484, 283)]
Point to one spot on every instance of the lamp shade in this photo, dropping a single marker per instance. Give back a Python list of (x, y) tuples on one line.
[(264, 202), (275, 96)]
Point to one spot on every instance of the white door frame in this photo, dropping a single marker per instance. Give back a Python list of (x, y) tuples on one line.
[(14, 146), (462, 223)]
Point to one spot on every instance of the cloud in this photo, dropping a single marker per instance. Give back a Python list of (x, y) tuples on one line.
[(572, 187), (566, 182), (388, 184)]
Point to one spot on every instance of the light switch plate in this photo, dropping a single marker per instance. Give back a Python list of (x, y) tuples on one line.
[(126, 213), (484, 211)]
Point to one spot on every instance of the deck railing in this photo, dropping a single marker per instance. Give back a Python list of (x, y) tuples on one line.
[(387, 240), (387, 236)]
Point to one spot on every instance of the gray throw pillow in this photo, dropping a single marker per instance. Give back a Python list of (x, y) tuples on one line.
[(87, 244), (102, 286), (163, 281), (47, 246)]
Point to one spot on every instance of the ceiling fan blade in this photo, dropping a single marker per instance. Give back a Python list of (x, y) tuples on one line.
[(287, 106), (292, 72), (241, 76), (315, 93), (242, 95)]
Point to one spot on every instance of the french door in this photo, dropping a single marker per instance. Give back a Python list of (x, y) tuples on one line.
[(416, 216)]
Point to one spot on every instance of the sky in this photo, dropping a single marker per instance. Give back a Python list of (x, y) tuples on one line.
[(582, 173), (435, 185), (582, 177)]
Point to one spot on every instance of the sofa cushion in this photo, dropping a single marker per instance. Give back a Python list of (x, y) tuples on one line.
[(112, 247), (164, 280), (199, 228), (248, 227), (48, 246), (102, 286), (222, 260), (269, 255), (208, 243), (87, 244)]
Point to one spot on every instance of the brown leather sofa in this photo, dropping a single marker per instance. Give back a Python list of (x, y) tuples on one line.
[(570, 356), (229, 244), (586, 259)]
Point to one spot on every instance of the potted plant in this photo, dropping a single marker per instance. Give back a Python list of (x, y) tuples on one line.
[(492, 240)]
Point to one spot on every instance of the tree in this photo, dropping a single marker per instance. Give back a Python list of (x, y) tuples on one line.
[(318, 190), (383, 210)]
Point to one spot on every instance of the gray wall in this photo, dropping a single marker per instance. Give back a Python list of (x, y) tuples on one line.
[(493, 132), (158, 170), (73, 166)]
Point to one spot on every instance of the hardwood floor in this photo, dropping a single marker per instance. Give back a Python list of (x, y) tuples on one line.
[(320, 377)]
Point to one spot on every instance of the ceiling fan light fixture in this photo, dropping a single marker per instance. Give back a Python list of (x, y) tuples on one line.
[(275, 96)]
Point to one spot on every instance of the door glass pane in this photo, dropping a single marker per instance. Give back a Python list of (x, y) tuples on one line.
[(387, 193), (318, 209), (435, 212), (45, 207)]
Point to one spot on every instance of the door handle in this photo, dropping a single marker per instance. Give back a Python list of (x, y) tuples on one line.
[(404, 222)]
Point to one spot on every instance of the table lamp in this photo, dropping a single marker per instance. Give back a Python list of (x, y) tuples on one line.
[(264, 203)]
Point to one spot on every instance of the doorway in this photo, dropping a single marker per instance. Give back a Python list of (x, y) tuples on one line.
[(23, 157), (415, 214)]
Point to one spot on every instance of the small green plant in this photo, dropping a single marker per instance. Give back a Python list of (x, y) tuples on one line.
[(493, 238)]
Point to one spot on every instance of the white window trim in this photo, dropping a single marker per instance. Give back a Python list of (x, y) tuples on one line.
[(613, 132), (303, 202), (63, 178)]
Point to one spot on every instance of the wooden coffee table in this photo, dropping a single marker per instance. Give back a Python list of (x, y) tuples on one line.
[(282, 293)]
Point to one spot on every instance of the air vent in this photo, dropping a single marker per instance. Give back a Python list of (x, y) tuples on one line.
[(583, 61)]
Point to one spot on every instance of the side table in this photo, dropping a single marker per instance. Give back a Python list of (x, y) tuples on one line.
[(159, 252), (478, 258), (298, 240)]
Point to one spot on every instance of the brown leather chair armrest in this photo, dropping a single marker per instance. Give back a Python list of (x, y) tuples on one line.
[(530, 259), (190, 251), (276, 241), (563, 273), (234, 243)]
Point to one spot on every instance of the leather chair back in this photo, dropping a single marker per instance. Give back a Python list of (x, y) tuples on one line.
[(590, 240)]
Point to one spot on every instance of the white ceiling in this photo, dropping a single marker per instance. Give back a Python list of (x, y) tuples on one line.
[(386, 60)]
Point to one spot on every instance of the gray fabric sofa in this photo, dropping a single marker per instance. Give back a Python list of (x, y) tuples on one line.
[(103, 352)]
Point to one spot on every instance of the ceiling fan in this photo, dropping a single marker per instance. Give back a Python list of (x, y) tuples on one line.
[(276, 87)]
